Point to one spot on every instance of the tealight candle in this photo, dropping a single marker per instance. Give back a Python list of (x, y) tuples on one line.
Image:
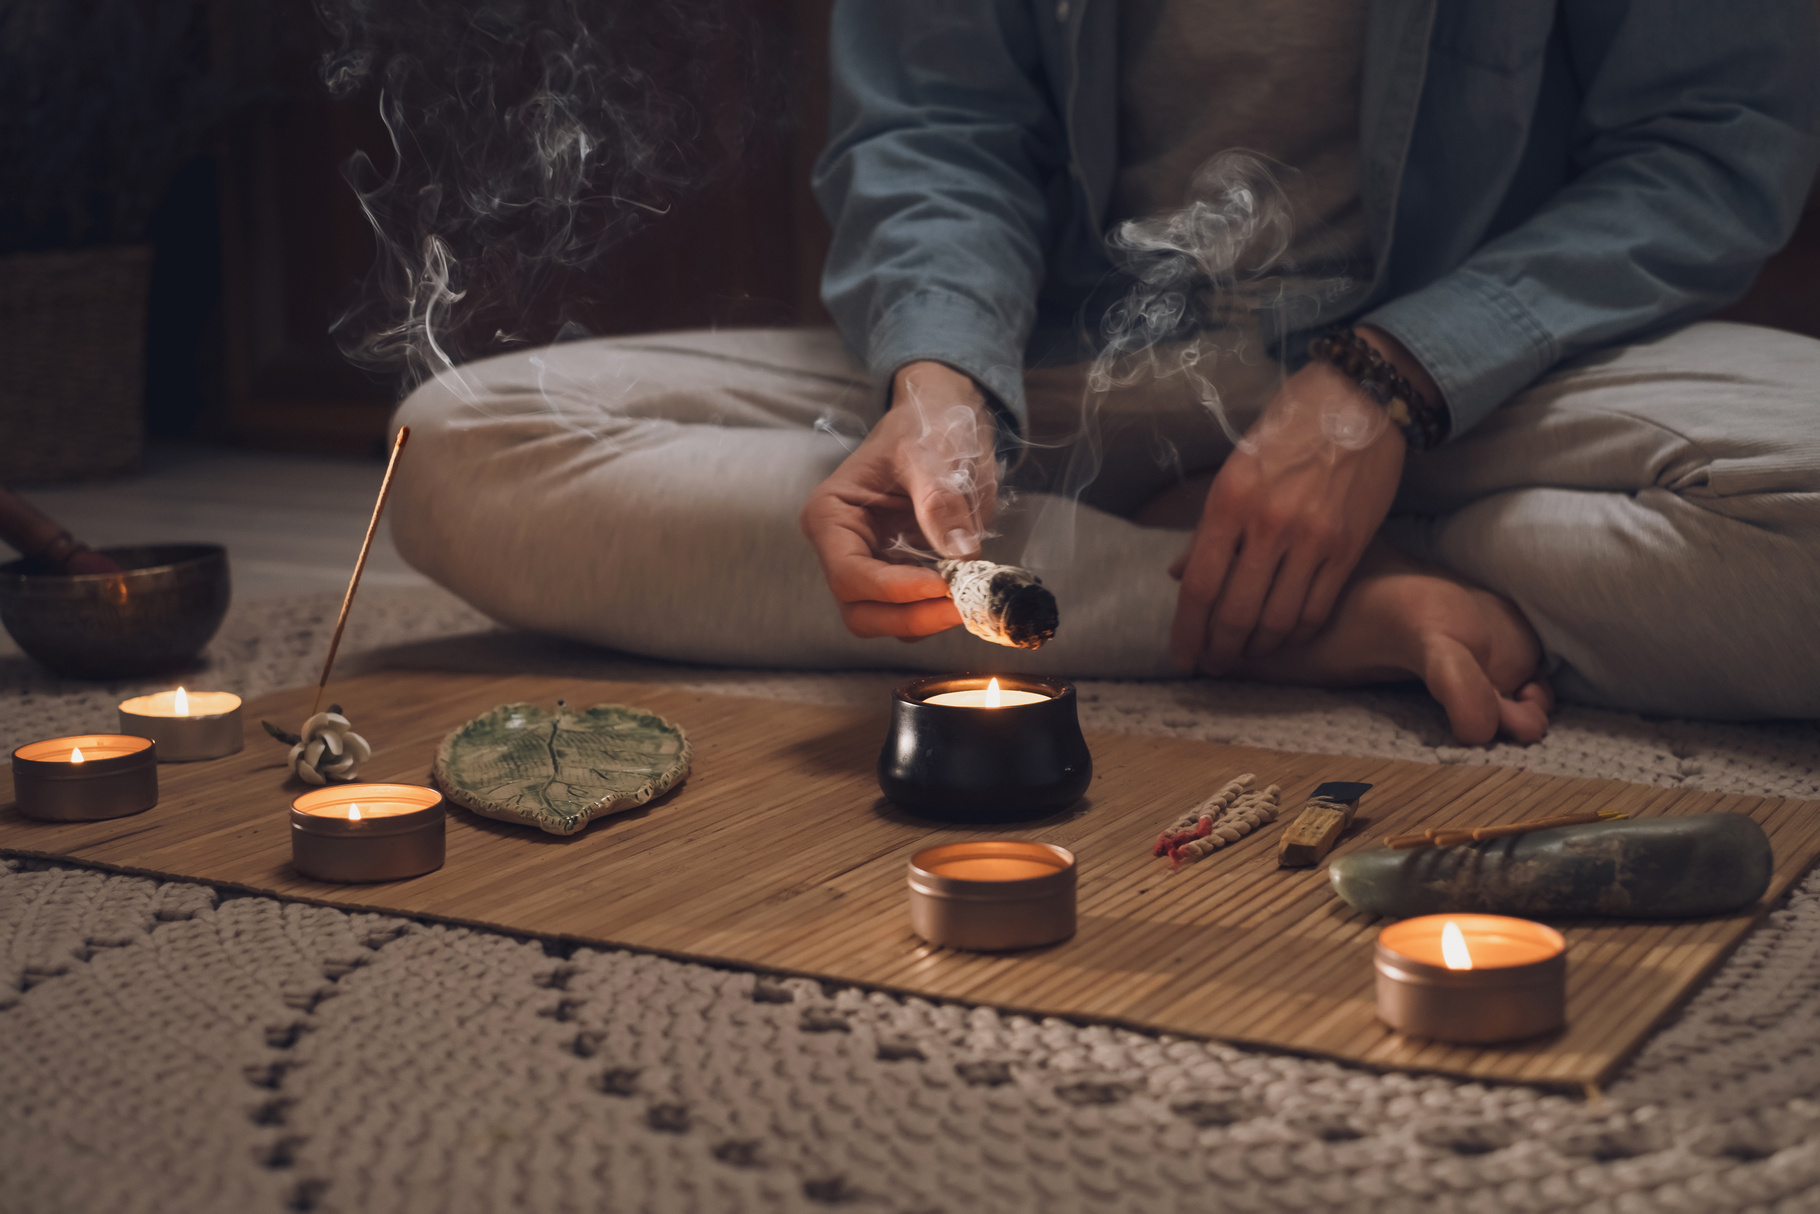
[(989, 696), (85, 778), (187, 725), (993, 894), (1471, 979), (976, 750), (368, 832)]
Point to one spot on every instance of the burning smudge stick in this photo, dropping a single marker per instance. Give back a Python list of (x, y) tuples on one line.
[(1001, 603)]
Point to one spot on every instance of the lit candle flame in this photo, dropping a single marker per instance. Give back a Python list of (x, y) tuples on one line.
[(76, 754), (993, 698), (1453, 947), (354, 816), (183, 703)]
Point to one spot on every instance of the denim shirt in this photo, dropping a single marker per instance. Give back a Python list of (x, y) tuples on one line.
[(1539, 179)]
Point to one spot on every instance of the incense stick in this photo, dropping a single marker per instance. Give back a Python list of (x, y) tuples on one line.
[(366, 546), (1481, 834)]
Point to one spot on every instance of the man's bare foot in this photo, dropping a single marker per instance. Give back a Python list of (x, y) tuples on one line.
[(1397, 619)]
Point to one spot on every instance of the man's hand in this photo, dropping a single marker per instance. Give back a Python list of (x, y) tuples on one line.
[(926, 473), (1289, 514)]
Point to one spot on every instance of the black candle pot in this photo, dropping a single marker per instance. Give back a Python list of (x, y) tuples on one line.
[(984, 765)]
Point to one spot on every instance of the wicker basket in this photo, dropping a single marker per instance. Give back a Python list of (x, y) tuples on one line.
[(72, 362)]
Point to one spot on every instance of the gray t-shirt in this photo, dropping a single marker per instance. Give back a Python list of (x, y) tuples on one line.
[(1280, 77)]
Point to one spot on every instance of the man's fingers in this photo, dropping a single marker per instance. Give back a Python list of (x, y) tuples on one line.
[(844, 545), (944, 504), (900, 619), (1282, 610), (1203, 576), (1323, 593), (1235, 614), (867, 579), (951, 477)]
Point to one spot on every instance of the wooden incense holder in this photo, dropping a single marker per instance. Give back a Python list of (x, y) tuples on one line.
[(1319, 826)]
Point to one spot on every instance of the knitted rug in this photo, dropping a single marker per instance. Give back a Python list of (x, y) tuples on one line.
[(168, 1047)]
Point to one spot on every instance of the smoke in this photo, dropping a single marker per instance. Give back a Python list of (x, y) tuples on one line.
[(1201, 277), (527, 137), (1187, 268)]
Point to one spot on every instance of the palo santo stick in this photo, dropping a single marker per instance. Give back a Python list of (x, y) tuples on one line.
[(1329, 811), (366, 546), (1481, 834)]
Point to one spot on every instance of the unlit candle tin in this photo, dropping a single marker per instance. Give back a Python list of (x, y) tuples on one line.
[(208, 728), (115, 776), (368, 832), (1516, 987), (992, 895)]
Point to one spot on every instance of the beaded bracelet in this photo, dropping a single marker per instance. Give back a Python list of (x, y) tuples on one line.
[(1423, 423)]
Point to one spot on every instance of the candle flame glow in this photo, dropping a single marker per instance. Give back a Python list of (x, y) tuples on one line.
[(183, 703), (1453, 947), (993, 698), (75, 754), (354, 816)]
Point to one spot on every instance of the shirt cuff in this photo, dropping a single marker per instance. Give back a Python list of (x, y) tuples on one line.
[(935, 326), (1475, 337)]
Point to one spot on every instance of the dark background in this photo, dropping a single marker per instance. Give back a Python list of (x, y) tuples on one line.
[(260, 244)]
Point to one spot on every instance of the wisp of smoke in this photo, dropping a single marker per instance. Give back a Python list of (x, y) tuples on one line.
[(1191, 271), (1235, 226), (527, 136)]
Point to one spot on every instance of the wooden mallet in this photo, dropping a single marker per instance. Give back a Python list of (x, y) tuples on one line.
[(41, 538)]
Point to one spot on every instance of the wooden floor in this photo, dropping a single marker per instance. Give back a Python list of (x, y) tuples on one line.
[(291, 523), (777, 853)]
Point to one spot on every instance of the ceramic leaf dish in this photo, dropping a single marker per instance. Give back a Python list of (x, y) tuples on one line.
[(559, 769)]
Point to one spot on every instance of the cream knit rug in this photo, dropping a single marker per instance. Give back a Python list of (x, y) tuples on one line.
[(164, 1047)]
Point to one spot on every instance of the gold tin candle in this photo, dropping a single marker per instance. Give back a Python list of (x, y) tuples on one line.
[(85, 778), (368, 832), (187, 725), (1471, 979), (992, 895)]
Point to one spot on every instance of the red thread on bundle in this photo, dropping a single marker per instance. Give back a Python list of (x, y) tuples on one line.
[(1170, 840)]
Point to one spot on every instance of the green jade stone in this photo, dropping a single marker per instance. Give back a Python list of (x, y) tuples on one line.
[(1654, 868), (560, 769)]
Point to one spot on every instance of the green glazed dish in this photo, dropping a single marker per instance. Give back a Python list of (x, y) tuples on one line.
[(559, 769)]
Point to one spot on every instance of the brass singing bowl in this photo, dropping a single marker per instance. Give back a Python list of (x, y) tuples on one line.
[(152, 618)]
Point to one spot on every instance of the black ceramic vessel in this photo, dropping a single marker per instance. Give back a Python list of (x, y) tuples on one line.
[(984, 765)]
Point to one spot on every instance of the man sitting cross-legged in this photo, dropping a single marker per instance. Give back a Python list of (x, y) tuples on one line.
[(1576, 484)]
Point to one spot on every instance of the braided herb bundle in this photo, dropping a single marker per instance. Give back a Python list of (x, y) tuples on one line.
[(1226, 817), (1184, 828), (1001, 603)]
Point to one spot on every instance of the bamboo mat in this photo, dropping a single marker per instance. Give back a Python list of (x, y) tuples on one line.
[(777, 853)]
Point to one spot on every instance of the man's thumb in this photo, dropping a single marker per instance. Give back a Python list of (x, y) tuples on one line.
[(946, 517)]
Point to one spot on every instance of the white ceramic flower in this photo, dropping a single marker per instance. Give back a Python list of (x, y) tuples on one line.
[(325, 750)]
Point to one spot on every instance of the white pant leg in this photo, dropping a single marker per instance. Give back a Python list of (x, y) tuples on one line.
[(642, 493), (1654, 510)]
